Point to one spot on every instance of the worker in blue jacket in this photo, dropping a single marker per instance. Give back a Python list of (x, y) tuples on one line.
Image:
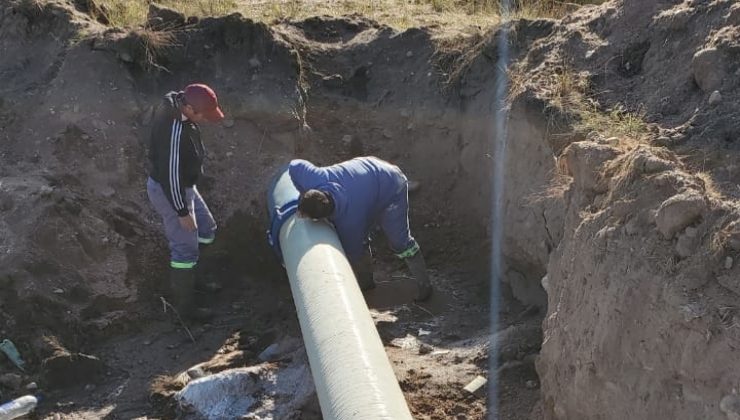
[(355, 196)]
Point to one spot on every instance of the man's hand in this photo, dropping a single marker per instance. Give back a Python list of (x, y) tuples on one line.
[(188, 222)]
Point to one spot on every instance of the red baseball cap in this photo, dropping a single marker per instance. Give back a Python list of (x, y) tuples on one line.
[(203, 99)]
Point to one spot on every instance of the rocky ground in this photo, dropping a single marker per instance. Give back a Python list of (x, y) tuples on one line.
[(620, 197)]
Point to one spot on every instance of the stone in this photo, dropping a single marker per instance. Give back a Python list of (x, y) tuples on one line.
[(531, 384), (162, 17), (612, 141), (425, 348), (527, 290), (387, 134), (678, 212), (228, 122), (584, 160), (715, 98), (728, 263), (196, 372), (333, 81), (11, 381), (346, 139), (409, 54), (254, 63), (32, 386), (46, 190), (708, 68), (730, 405), (545, 283), (733, 16), (108, 192), (99, 125), (687, 242)]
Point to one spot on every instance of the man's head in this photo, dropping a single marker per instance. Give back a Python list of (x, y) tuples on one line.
[(201, 104), (316, 204)]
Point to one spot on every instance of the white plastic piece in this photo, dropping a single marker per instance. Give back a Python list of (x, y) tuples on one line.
[(351, 371), (19, 407)]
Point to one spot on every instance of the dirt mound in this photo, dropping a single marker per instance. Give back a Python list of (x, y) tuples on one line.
[(640, 307)]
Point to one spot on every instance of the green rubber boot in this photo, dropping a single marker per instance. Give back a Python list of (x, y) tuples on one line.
[(182, 293), (418, 268)]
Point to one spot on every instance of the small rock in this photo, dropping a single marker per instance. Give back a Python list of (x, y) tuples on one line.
[(728, 263), (715, 98), (99, 125), (425, 348), (687, 242), (405, 112), (733, 16), (612, 141), (531, 384), (45, 190), (678, 212), (125, 57), (11, 381), (161, 17), (347, 139), (476, 386), (268, 353), (387, 134), (229, 154), (254, 63), (108, 192), (228, 122), (709, 69), (730, 405), (196, 372), (333, 81), (32, 386), (147, 343), (85, 137), (89, 387), (58, 291), (409, 54)]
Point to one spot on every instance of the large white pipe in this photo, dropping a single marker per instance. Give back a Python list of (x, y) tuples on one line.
[(353, 377)]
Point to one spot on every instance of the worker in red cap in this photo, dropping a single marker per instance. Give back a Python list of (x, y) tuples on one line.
[(176, 155)]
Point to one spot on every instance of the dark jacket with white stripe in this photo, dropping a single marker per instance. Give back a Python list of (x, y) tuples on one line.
[(176, 152)]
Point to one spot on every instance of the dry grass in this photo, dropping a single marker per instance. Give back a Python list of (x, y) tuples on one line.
[(570, 92), (131, 13), (400, 14), (710, 188), (150, 46)]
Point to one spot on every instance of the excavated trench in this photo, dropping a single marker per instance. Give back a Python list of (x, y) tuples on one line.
[(325, 90)]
